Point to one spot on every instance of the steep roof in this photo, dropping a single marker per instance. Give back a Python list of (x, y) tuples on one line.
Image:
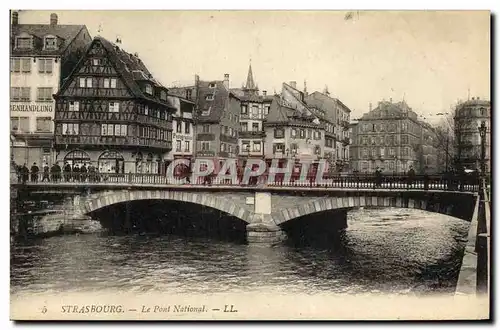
[(130, 68), (280, 113), (244, 96), (66, 33), (326, 103), (217, 105)]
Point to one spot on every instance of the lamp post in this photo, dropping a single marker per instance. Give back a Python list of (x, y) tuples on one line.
[(482, 133)]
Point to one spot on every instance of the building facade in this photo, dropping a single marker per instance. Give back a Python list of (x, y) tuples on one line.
[(216, 116), (111, 113), (468, 118), (391, 138), (335, 116), (293, 131), (183, 142), (254, 111), (42, 56)]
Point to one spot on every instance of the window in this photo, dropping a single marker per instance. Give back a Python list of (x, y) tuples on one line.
[(222, 147), (317, 135), (20, 65), (365, 153), (245, 146), (114, 107), (404, 127), (149, 89), (404, 139), (206, 112), (391, 151), (279, 133), (317, 150), (243, 127), (212, 85), (206, 129), (44, 94), (85, 82), (178, 145), (293, 148), (20, 94), (278, 147), (309, 134), (25, 42), (21, 124), (163, 95), (120, 130), (255, 111), (188, 94), (244, 109), (109, 82), (45, 65), (186, 145), (302, 134), (256, 146), (230, 131), (70, 129), (50, 43), (266, 110), (96, 61), (187, 128), (294, 132), (179, 127), (372, 140), (382, 152), (230, 149), (209, 97), (255, 127)]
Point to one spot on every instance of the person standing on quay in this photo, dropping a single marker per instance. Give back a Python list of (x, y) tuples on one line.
[(25, 173), (55, 172), (34, 173), (67, 172)]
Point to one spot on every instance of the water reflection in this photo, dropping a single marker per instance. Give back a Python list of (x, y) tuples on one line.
[(383, 250)]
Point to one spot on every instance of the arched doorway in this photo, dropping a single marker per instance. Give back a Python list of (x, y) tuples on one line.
[(111, 162), (77, 157)]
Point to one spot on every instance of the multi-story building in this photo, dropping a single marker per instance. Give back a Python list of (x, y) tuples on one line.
[(353, 148), (254, 111), (183, 128), (468, 118), (216, 116), (112, 113), (391, 138), (42, 56), (335, 116), (293, 130)]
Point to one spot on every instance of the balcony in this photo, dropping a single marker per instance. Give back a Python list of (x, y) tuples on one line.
[(344, 124), (252, 134), (345, 141), (112, 116), (121, 141)]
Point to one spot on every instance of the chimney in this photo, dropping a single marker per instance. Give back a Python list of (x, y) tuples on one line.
[(15, 18), (477, 97), (473, 98), (226, 80), (370, 106), (196, 80), (390, 100), (293, 84), (53, 19), (264, 93)]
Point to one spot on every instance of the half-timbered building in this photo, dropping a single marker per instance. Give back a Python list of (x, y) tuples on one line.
[(113, 114)]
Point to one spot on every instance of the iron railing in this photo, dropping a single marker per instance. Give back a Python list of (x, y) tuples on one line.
[(390, 182)]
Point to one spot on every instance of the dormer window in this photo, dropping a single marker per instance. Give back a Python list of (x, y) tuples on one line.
[(149, 89), (209, 97), (24, 42), (50, 43), (206, 112), (96, 61), (163, 95), (212, 85)]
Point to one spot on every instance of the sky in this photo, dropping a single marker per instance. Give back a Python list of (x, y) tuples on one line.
[(429, 58)]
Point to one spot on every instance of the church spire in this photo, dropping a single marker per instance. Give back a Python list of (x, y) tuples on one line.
[(250, 86)]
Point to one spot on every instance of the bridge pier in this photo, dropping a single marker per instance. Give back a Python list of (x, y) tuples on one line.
[(264, 233), (262, 229)]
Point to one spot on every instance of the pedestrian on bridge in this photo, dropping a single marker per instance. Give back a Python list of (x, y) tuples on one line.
[(411, 176), (378, 177), (34, 173), (55, 172), (67, 171), (83, 171), (25, 173), (46, 173)]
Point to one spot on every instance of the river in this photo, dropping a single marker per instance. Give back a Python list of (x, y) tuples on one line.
[(397, 251)]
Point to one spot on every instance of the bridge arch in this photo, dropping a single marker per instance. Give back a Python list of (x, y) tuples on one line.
[(100, 200), (437, 205)]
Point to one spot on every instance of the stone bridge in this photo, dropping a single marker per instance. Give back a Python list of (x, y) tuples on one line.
[(264, 209)]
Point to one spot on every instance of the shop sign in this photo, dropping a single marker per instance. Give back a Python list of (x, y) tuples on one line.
[(31, 107)]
